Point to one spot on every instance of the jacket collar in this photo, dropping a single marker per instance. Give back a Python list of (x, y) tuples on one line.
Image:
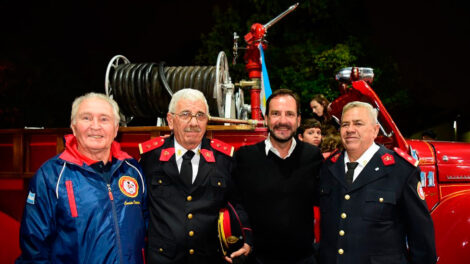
[(171, 148), (374, 170), (71, 153), (170, 168)]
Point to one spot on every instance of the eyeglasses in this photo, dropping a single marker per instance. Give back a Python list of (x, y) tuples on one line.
[(187, 116)]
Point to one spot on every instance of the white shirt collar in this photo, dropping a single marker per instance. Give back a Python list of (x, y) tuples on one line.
[(362, 160), (179, 150), (269, 146), (365, 157)]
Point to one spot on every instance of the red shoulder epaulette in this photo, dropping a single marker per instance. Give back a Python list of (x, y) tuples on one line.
[(151, 144), (223, 147), (407, 157)]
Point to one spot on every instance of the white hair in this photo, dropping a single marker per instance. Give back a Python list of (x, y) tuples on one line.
[(372, 111), (189, 94), (76, 104)]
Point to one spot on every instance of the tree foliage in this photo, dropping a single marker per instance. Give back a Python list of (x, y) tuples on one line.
[(306, 48)]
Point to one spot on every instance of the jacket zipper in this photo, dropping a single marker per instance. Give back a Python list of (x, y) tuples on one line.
[(116, 226)]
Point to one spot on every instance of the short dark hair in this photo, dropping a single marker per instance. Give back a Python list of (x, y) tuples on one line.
[(309, 123), (283, 92)]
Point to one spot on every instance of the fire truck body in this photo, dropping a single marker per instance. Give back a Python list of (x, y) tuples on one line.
[(445, 166)]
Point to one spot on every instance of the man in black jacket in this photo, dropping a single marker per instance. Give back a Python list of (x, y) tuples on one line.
[(371, 201), (276, 180), (188, 179)]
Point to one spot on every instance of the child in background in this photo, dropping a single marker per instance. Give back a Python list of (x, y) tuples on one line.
[(310, 132)]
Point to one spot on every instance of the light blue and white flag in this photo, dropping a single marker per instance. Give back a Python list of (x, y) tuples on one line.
[(265, 85)]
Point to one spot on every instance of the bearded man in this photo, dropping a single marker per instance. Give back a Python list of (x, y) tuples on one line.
[(276, 179)]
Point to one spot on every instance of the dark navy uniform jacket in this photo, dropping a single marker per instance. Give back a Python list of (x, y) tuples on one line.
[(183, 220), (376, 218)]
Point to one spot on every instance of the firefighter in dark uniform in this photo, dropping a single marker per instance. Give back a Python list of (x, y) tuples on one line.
[(188, 178), (371, 201)]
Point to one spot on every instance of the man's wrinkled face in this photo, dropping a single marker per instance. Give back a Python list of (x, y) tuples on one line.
[(282, 118), (94, 127), (189, 132), (358, 130)]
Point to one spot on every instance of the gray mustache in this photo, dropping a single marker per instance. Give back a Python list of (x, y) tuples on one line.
[(192, 129)]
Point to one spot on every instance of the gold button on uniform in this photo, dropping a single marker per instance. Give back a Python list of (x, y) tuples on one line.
[(343, 215), (190, 216), (191, 233), (191, 251), (160, 250), (381, 199), (160, 181), (219, 184), (347, 197), (341, 232), (340, 251), (189, 198)]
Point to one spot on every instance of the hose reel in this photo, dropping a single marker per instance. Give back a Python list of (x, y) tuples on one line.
[(145, 89)]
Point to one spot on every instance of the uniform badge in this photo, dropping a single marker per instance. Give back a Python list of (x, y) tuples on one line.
[(388, 159), (420, 191), (129, 186)]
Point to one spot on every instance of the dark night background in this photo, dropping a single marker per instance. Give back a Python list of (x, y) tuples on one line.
[(53, 51)]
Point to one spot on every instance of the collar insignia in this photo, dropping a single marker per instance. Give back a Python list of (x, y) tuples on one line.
[(208, 155), (388, 159), (167, 154)]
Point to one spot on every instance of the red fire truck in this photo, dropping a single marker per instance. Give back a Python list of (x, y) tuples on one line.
[(445, 166)]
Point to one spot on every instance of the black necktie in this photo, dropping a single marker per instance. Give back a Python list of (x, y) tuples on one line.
[(350, 172), (186, 172)]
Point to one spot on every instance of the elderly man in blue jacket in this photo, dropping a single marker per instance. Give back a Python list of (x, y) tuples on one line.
[(87, 204)]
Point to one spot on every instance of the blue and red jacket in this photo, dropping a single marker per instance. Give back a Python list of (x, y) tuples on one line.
[(74, 215)]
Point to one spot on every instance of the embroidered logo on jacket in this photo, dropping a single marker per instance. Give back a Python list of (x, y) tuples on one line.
[(129, 186)]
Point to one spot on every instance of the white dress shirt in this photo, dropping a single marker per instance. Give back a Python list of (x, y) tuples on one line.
[(362, 160), (179, 152), (269, 147)]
